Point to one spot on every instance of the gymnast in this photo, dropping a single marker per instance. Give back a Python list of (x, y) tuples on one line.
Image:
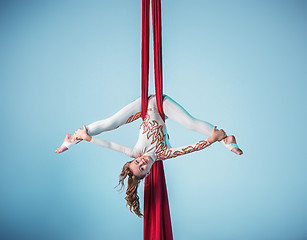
[(153, 142)]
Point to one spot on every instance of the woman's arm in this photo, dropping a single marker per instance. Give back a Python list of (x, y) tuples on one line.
[(217, 135), (81, 134), (177, 151), (113, 146)]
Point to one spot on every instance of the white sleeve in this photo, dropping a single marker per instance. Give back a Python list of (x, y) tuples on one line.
[(113, 146), (178, 151)]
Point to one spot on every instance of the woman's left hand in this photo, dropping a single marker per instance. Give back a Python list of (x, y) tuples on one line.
[(81, 134)]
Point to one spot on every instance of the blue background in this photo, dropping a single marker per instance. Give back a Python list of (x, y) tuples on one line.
[(240, 65)]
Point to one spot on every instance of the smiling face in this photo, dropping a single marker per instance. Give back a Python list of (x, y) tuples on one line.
[(140, 166)]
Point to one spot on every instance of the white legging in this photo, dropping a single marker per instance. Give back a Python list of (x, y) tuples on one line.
[(132, 112)]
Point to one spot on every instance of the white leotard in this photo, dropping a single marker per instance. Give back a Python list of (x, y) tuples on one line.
[(153, 139)]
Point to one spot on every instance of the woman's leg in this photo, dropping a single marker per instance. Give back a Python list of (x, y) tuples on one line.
[(126, 115), (174, 111)]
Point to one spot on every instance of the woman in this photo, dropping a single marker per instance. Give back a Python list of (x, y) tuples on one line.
[(153, 142)]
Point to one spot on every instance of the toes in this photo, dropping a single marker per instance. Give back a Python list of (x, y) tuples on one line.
[(59, 150), (237, 151)]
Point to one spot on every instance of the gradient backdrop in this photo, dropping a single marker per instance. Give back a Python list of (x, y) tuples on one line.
[(240, 65)]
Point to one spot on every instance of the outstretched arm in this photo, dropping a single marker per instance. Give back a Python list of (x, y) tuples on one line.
[(175, 152), (167, 153), (81, 134)]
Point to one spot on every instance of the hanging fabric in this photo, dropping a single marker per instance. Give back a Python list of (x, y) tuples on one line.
[(157, 44), (157, 220), (145, 56)]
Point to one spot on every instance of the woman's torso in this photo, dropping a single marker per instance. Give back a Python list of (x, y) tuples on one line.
[(153, 135)]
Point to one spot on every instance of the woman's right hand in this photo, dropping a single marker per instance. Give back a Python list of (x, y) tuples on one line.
[(217, 135)]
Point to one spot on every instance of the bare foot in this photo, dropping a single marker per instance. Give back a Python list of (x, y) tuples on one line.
[(232, 139), (68, 138)]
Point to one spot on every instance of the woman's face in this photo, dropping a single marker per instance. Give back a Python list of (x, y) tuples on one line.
[(140, 166)]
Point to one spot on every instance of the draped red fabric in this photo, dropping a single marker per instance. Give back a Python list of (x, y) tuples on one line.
[(145, 55), (157, 43), (157, 220)]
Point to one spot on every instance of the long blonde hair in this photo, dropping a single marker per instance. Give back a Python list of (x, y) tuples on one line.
[(132, 197)]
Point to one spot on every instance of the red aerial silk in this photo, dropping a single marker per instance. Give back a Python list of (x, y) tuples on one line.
[(157, 44), (157, 220), (145, 55)]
